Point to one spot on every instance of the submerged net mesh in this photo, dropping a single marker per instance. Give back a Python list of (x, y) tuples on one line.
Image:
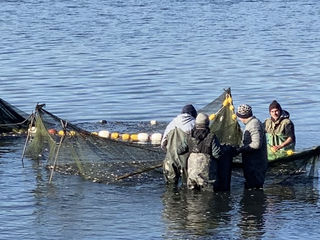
[(76, 151), (73, 150), (12, 119), (304, 162)]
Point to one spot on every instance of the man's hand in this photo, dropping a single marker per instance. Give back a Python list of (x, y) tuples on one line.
[(276, 148)]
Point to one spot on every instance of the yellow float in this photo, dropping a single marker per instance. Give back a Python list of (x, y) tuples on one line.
[(114, 135), (61, 133), (212, 116), (125, 137), (134, 137)]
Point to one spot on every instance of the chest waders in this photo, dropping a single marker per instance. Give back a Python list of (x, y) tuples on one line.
[(275, 133), (199, 163)]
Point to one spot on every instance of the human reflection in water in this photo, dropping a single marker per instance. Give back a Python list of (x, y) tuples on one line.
[(252, 208), (195, 213)]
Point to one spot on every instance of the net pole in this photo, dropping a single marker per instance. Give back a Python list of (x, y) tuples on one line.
[(139, 172), (27, 139), (57, 153)]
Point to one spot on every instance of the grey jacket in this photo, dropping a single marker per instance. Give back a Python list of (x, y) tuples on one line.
[(254, 136), (254, 153)]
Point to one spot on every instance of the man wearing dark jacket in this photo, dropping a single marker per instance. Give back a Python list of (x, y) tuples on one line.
[(204, 148)]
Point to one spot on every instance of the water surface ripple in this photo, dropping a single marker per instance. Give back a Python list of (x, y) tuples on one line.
[(138, 60)]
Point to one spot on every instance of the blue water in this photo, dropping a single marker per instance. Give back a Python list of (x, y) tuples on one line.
[(141, 60)]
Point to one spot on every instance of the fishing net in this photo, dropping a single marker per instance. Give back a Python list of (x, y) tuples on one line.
[(12, 119), (223, 120), (305, 162), (71, 149)]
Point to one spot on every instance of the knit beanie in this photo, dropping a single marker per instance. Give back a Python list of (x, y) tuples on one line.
[(190, 110), (244, 111), (202, 120), (274, 105)]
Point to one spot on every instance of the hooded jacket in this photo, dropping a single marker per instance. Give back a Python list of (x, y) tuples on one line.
[(277, 132), (183, 121)]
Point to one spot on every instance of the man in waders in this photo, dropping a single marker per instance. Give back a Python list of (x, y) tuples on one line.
[(253, 149), (279, 131), (174, 164), (204, 149)]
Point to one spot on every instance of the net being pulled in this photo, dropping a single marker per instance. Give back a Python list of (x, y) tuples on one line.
[(70, 149), (223, 120), (73, 150)]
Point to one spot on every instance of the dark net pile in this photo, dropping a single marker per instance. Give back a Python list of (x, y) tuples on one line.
[(73, 150), (12, 119)]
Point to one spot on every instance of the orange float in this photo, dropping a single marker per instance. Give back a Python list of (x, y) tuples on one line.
[(52, 131)]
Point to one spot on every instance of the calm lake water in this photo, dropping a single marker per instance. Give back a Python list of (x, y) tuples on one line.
[(139, 60)]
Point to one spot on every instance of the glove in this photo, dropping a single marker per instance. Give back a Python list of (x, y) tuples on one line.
[(233, 149), (240, 150)]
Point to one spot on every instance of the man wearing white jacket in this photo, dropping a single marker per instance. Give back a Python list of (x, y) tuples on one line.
[(175, 165), (185, 121)]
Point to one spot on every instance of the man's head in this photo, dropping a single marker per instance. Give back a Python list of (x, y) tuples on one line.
[(244, 111), (275, 110), (189, 109), (202, 120)]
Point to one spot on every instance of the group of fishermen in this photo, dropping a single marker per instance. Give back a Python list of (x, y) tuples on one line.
[(196, 158)]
